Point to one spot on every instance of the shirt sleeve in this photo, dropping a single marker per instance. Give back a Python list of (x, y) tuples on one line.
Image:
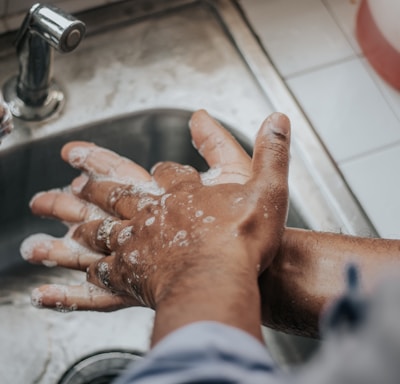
[(205, 352)]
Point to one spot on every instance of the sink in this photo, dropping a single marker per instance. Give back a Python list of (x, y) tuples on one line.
[(131, 87)]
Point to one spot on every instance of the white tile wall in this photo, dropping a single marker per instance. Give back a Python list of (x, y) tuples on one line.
[(346, 108), (356, 114), (298, 34), (375, 180), (344, 13)]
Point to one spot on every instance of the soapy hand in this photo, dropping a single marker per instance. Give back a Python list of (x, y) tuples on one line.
[(162, 223)]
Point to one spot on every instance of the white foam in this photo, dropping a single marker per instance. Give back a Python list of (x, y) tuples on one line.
[(49, 263), (92, 290), (208, 219), (73, 245), (60, 307), (37, 298), (30, 243), (116, 194), (180, 239), (180, 235), (150, 186), (104, 273), (145, 201), (133, 256), (150, 221), (164, 199), (184, 170), (210, 177), (96, 213), (125, 234), (78, 155), (199, 213)]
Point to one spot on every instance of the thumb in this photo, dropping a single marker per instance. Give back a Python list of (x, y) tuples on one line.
[(270, 164)]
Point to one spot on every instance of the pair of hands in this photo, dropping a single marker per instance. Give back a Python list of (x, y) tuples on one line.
[(138, 235)]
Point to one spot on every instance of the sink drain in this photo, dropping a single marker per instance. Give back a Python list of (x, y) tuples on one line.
[(101, 368)]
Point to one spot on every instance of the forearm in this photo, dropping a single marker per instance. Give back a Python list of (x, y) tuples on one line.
[(309, 272)]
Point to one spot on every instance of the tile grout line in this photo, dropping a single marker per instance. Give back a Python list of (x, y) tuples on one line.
[(334, 18), (371, 152), (361, 56), (368, 69), (321, 67)]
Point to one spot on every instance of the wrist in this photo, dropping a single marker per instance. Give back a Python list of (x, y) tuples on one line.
[(225, 292)]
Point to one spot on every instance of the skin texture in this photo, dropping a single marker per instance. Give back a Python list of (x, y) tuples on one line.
[(303, 278), (308, 274), (169, 235)]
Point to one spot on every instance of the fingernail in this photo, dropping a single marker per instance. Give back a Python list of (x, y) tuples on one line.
[(279, 123), (78, 183)]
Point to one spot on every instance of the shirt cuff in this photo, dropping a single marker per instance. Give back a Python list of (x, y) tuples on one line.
[(205, 352)]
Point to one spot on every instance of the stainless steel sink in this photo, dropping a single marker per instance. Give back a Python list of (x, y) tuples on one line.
[(131, 86)]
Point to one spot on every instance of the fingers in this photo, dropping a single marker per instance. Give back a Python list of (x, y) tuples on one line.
[(103, 162), (51, 252), (120, 200), (104, 235), (270, 163), (85, 297), (219, 148), (168, 175), (110, 272), (114, 198), (64, 206)]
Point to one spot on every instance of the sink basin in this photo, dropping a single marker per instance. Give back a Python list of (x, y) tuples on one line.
[(131, 84)]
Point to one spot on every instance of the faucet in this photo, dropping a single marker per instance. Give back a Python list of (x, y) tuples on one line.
[(33, 95)]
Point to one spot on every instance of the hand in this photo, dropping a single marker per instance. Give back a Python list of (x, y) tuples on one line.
[(209, 138)]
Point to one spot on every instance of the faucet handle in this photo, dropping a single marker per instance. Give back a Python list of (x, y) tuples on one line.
[(59, 29)]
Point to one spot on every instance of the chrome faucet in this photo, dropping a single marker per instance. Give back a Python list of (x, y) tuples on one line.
[(33, 95)]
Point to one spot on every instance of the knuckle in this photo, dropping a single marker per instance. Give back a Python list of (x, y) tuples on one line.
[(83, 213), (213, 142), (161, 168), (117, 195)]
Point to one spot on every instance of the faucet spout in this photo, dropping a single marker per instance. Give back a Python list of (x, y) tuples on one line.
[(33, 94)]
